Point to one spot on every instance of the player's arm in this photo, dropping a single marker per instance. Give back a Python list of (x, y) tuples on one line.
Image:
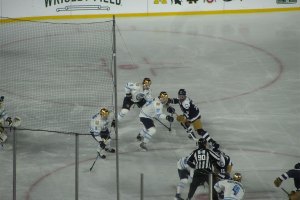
[(128, 88), (215, 156), (191, 161), (219, 187), (284, 176), (173, 101)]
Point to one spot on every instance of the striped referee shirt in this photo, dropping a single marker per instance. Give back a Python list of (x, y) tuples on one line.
[(203, 158)]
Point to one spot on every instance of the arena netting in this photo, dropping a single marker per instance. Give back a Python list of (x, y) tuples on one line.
[(56, 76)]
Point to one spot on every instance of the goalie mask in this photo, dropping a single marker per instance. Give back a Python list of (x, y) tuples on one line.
[(163, 97), (146, 83), (237, 177), (104, 113)]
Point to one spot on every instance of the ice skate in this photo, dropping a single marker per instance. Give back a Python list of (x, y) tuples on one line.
[(143, 146), (139, 137), (110, 150), (100, 154), (178, 197), (191, 136), (214, 144)]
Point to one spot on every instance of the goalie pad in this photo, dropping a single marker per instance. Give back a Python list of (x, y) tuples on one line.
[(16, 122), (3, 137)]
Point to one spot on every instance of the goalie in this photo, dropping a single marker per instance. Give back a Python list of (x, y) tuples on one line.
[(5, 119)]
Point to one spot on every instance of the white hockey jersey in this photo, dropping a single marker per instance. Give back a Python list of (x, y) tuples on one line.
[(137, 92), (233, 190), (153, 108), (3, 114), (98, 125), (182, 164)]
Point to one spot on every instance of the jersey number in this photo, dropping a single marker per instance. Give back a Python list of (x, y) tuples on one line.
[(201, 157), (236, 189)]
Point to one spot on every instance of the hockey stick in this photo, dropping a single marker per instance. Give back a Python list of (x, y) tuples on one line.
[(170, 124), (286, 192), (94, 161), (184, 126), (169, 128)]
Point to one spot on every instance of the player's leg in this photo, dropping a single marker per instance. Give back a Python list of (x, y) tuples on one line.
[(295, 195), (204, 134), (186, 125), (127, 103), (150, 131), (183, 175)]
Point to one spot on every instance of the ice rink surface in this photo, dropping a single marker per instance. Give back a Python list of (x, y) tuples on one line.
[(241, 70)]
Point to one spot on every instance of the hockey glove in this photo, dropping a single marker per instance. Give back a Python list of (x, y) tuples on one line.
[(221, 195), (170, 118), (141, 103), (9, 121), (113, 124), (102, 144), (181, 118), (171, 110), (277, 182)]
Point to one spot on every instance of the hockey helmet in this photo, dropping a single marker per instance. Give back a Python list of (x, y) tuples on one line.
[(297, 166), (146, 83), (163, 97), (237, 177), (201, 143), (104, 113), (182, 95), (1, 100)]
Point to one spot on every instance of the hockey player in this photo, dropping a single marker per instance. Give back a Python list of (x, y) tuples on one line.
[(230, 189), (201, 160), (191, 115), (150, 110), (99, 130), (295, 174), (222, 170), (185, 173), (135, 93), (4, 118)]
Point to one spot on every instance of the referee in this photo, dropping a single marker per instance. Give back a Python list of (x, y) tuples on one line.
[(201, 160)]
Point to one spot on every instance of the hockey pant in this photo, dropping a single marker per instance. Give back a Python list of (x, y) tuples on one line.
[(148, 129)]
